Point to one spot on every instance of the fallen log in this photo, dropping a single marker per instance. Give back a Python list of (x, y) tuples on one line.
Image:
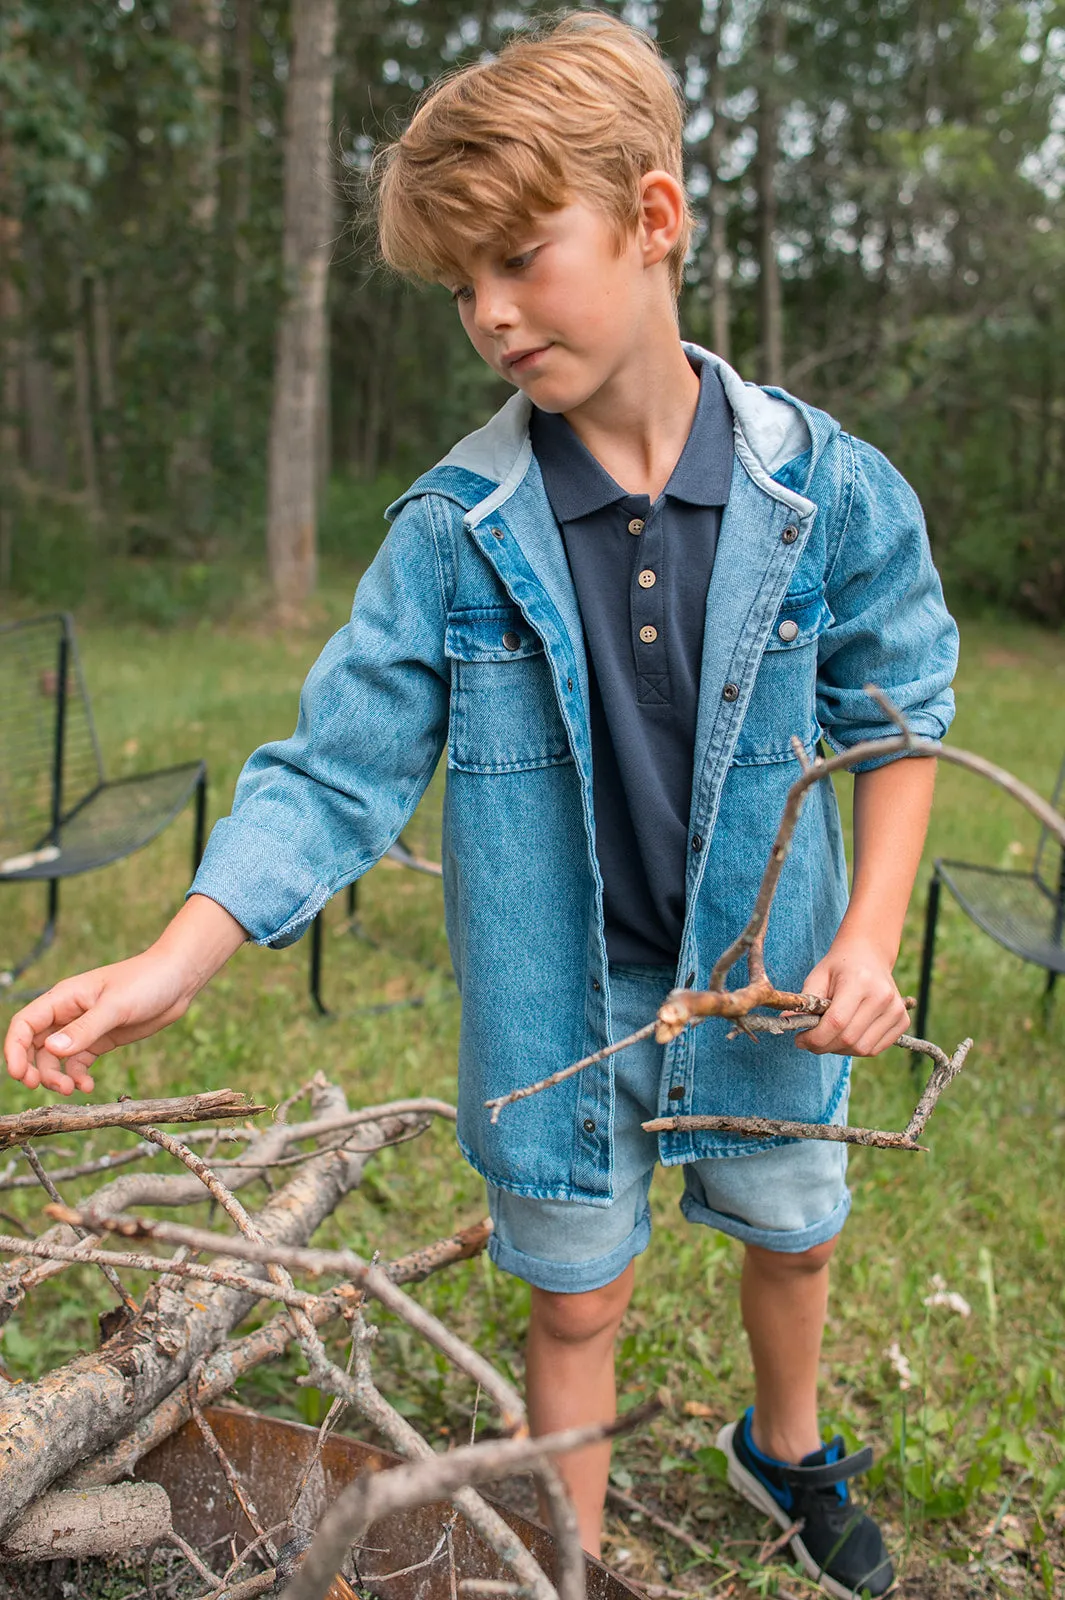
[(47, 1427), (90, 1522)]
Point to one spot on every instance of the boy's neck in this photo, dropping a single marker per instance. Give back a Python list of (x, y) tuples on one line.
[(637, 423)]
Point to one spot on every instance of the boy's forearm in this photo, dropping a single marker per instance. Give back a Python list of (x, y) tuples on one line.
[(200, 939), (891, 810)]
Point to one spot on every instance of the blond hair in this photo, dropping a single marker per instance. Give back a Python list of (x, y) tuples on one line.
[(577, 112)]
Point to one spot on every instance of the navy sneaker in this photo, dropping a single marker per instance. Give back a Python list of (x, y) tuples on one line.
[(838, 1545)]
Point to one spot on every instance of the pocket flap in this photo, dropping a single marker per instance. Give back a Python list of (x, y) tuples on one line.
[(490, 633), (801, 618)]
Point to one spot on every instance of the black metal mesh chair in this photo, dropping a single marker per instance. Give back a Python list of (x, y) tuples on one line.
[(406, 857), (1023, 911), (58, 813)]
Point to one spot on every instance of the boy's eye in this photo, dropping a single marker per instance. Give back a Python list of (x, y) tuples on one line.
[(517, 263), (462, 294)]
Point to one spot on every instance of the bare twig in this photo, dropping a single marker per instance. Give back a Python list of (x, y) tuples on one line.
[(53, 1194), (244, 1500), (496, 1106), (361, 1393), (41, 1121), (773, 1547), (76, 1255), (108, 1163), (376, 1495), (620, 1498), (191, 1557)]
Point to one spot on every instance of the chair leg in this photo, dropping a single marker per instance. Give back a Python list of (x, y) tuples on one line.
[(927, 958), (42, 943), (317, 931), (199, 826)]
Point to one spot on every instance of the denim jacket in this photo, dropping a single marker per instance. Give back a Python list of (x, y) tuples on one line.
[(465, 632)]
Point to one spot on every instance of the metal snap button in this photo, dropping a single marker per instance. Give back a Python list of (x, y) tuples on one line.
[(689, 980), (636, 525), (790, 534), (697, 842), (730, 692), (596, 985), (511, 641), (497, 533), (788, 631), (647, 579), (648, 635), (676, 1093), (589, 1125)]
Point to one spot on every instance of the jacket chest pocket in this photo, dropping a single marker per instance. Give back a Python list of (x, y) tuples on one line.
[(504, 716), (783, 702)]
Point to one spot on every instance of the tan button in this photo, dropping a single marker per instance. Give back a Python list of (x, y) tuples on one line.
[(636, 525), (647, 579), (788, 631), (648, 635)]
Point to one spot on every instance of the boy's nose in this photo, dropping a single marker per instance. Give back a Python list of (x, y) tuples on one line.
[(493, 309)]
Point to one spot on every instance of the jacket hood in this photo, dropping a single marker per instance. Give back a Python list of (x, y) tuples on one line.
[(772, 428)]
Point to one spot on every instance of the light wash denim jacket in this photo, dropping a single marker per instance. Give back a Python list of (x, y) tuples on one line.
[(820, 531)]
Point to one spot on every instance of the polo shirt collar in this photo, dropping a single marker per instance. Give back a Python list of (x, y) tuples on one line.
[(577, 485)]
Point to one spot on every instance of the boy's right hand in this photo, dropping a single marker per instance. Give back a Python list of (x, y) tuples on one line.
[(54, 1041)]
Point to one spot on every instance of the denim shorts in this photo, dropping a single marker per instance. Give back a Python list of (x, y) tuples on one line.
[(790, 1197)]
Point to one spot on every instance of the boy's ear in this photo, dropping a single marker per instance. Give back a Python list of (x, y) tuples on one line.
[(661, 215)]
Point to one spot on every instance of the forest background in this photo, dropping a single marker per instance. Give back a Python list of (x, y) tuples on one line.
[(878, 192)]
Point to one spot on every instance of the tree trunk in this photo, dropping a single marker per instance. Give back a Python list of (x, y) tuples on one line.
[(83, 417), (10, 356), (720, 259), (106, 391), (90, 1522), (772, 30), (242, 33), (293, 462)]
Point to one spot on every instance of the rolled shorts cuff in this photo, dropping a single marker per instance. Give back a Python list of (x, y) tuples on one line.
[(788, 1241), (571, 1277)]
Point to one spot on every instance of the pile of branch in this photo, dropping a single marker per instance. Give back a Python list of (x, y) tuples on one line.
[(70, 1440)]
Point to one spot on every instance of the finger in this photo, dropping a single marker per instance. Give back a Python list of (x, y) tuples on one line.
[(826, 1037), (89, 1033)]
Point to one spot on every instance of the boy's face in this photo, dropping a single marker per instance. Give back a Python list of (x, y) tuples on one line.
[(562, 309)]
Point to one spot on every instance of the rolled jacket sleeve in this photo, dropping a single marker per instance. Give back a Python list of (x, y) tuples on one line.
[(314, 811), (890, 624)]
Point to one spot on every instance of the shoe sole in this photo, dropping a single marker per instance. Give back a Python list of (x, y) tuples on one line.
[(746, 1484)]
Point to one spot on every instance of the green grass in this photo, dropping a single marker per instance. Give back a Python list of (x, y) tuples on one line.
[(971, 1458)]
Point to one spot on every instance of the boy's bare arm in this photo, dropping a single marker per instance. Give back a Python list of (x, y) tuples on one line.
[(54, 1041), (891, 810)]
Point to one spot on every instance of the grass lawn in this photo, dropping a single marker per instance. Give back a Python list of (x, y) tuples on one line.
[(970, 1475)]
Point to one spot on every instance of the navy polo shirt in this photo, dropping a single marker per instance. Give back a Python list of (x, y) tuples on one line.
[(641, 572)]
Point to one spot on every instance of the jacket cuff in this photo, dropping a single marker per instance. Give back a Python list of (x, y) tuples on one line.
[(922, 724), (258, 878)]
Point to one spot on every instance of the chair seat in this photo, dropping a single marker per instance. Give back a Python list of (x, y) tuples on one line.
[(1014, 908), (111, 822)]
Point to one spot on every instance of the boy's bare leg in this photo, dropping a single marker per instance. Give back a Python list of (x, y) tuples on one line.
[(569, 1374), (784, 1300)]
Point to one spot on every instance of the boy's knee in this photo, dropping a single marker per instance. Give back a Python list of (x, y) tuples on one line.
[(783, 1263), (580, 1318)]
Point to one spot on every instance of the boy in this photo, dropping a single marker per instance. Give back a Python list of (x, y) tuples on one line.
[(616, 604)]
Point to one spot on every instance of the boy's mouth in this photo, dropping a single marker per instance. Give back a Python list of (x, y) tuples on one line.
[(524, 360)]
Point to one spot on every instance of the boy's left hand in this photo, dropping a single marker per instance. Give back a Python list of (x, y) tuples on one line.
[(866, 1014)]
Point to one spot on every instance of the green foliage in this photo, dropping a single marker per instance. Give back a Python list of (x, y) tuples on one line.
[(919, 237)]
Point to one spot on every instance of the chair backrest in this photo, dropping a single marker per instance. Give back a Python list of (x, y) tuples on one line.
[(1049, 866), (49, 756)]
